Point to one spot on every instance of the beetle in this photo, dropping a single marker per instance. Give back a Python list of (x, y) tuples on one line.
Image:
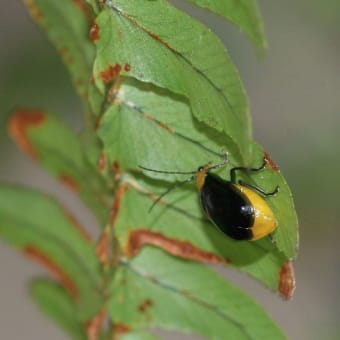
[(238, 209)]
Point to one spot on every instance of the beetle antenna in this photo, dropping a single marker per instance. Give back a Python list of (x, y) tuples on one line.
[(168, 172), (173, 186), (221, 165)]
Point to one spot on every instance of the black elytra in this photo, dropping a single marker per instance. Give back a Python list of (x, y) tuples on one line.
[(227, 208)]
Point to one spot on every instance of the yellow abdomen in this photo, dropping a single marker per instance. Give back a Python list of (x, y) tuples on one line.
[(264, 219)]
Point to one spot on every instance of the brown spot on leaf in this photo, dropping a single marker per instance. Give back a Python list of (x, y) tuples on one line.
[(151, 34), (19, 125), (77, 226), (159, 123), (110, 73), (69, 182), (121, 328), (127, 67), (116, 169), (103, 248), (102, 162), (79, 83), (97, 123), (93, 326), (183, 249), (94, 32), (81, 87), (287, 282), (270, 162), (33, 9), (53, 268), (104, 245), (82, 5), (67, 57), (143, 307), (121, 190)]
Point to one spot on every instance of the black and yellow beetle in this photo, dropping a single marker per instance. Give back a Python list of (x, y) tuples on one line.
[(236, 208)]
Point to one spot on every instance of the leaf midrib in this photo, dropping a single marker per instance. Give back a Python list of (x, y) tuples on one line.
[(220, 313)]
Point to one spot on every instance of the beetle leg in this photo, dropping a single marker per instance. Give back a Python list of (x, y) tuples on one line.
[(259, 190)]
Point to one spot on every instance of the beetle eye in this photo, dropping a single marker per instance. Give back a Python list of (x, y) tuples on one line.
[(201, 168)]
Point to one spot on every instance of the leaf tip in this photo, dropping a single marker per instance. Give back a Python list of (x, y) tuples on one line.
[(68, 182), (38, 256), (287, 283), (19, 124), (93, 326), (269, 161)]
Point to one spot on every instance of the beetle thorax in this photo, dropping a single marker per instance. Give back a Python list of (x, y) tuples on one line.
[(200, 177)]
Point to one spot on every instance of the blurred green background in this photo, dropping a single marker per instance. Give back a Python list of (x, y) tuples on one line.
[(295, 106)]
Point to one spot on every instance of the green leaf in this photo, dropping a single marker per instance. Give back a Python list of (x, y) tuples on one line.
[(54, 301), (157, 290), (37, 224), (282, 204), (156, 43), (180, 218), (180, 143), (243, 13), (59, 150), (94, 5), (171, 132), (67, 24), (138, 336)]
